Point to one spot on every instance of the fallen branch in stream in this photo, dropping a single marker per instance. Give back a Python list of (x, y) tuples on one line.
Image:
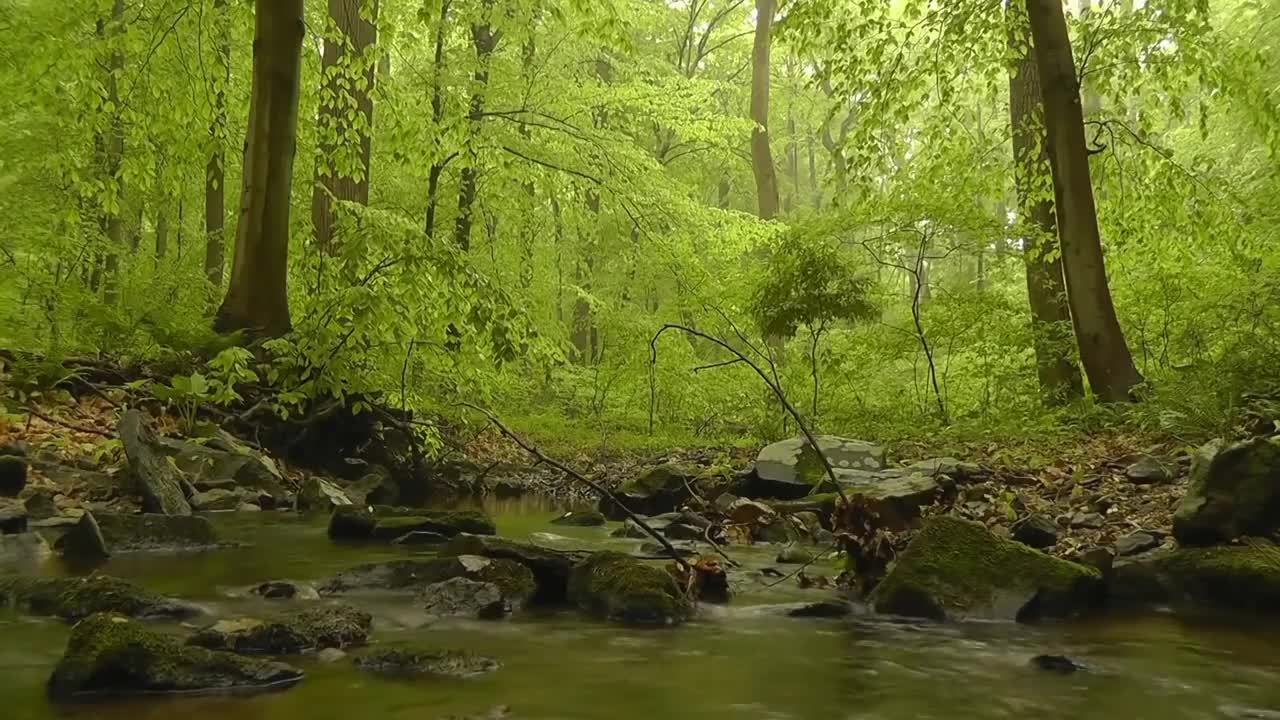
[(534, 451)]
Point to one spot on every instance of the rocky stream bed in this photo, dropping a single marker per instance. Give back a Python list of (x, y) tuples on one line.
[(248, 587)]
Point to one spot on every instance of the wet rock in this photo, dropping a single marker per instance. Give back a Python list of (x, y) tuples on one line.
[(794, 556), (159, 480), (320, 495), (13, 475), (316, 628), (421, 537), (24, 549), (658, 490), (445, 522), (74, 598), (778, 530), (514, 579), (1100, 558), (402, 662), (1056, 663), (586, 518), (631, 529), (248, 507), (375, 488), (223, 458), (550, 568), (460, 597), (127, 533), (284, 590), (41, 506), (680, 531), (1036, 531), (352, 522), (821, 609), (1234, 577), (957, 569), (1147, 470), (84, 544), (723, 502), (1234, 491), (791, 469), (1091, 521), (329, 656), (749, 512), (1136, 542), (109, 655), (619, 588), (212, 500), (653, 549), (13, 517)]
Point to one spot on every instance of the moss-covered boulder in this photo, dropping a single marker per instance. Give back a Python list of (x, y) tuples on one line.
[(1234, 491), (127, 533), (1238, 577), (460, 597), (514, 579), (110, 656), (550, 568), (410, 662), (387, 524), (73, 598), (620, 588), (659, 489), (955, 569), (316, 628)]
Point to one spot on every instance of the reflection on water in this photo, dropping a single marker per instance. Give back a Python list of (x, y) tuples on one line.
[(741, 662)]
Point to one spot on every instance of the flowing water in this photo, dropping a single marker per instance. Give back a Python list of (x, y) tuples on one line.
[(742, 662)]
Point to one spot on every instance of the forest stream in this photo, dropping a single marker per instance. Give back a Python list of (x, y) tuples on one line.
[(745, 660)]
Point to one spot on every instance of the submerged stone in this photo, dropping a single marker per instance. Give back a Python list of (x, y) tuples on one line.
[(74, 598), (955, 569), (109, 655), (623, 589), (412, 661), (460, 597), (316, 628)]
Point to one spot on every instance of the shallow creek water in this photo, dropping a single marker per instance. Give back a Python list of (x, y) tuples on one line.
[(741, 662)]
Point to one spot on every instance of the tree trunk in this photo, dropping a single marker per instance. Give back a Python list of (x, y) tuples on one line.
[(346, 109), (437, 115), (215, 175), (485, 40), (162, 229), (257, 298), (112, 157), (1057, 370), (1107, 361), (761, 156)]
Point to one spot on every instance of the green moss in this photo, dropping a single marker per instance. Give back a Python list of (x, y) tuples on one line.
[(514, 579), (550, 568), (316, 628), (955, 566), (445, 522), (75, 598), (110, 655), (618, 587), (1234, 576), (1234, 490), (152, 531)]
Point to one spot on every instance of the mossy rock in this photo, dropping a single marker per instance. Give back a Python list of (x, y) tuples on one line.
[(1234, 491), (790, 469), (317, 628), (550, 568), (614, 586), (382, 523), (127, 533), (74, 598), (410, 662), (109, 655), (956, 569), (514, 579), (445, 522), (659, 489), (1238, 577), (581, 518)]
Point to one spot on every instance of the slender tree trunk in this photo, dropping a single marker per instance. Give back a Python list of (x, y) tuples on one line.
[(257, 298), (1107, 361), (761, 156), (485, 41), (528, 52), (437, 116), (347, 69), (106, 274), (215, 175), (1057, 370), (162, 230)]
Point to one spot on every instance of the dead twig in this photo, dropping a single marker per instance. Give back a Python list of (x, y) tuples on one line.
[(534, 451)]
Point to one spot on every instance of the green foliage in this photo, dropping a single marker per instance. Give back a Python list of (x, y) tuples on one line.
[(809, 284)]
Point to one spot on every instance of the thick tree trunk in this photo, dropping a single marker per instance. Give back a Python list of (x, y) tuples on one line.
[(215, 172), (1057, 370), (1107, 361), (347, 71), (485, 41), (437, 115), (257, 298), (761, 156)]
